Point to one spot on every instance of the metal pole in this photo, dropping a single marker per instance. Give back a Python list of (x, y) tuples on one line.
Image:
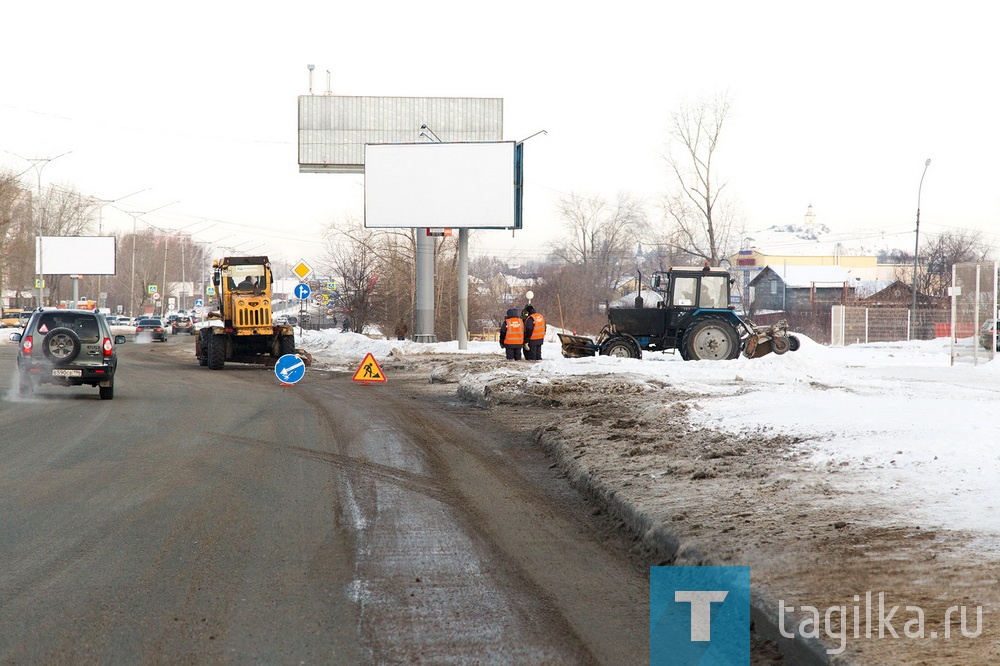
[(463, 288), (38, 248), (916, 250), (131, 305), (425, 288)]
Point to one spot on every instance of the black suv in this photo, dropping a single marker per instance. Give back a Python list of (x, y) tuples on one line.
[(67, 348)]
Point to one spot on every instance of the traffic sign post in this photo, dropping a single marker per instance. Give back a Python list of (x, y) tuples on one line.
[(289, 369)]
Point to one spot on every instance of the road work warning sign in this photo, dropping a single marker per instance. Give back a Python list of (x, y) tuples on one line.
[(369, 371)]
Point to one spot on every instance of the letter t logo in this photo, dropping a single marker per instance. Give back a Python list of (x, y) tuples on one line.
[(701, 610)]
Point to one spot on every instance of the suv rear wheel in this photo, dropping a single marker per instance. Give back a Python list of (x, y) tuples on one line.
[(62, 345)]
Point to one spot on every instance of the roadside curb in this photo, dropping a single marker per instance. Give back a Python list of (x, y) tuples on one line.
[(666, 546)]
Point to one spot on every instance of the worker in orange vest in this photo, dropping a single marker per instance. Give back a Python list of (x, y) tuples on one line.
[(512, 335), (534, 332)]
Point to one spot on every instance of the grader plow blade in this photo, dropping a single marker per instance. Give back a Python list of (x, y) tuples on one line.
[(577, 346)]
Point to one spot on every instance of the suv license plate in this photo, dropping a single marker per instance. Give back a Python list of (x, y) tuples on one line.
[(67, 373)]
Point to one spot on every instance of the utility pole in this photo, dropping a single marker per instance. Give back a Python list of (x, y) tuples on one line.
[(916, 250), (38, 164)]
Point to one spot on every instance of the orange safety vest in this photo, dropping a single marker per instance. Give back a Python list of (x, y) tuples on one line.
[(515, 332), (538, 332)]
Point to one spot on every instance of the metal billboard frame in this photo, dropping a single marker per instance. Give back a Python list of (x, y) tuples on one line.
[(333, 129)]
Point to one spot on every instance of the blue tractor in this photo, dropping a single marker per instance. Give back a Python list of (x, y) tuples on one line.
[(692, 316)]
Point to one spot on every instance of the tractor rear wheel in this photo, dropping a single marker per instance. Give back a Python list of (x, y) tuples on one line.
[(710, 339)]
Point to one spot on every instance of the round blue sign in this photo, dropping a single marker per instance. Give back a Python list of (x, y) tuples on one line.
[(302, 291), (289, 369)]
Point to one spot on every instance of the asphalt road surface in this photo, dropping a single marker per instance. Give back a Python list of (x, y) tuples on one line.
[(218, 517)]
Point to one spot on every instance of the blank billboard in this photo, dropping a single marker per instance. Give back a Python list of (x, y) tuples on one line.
[(459, 185), (75, 255)]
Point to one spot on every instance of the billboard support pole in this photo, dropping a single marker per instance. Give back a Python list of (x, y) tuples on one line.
[(425, 288), (463, 288)]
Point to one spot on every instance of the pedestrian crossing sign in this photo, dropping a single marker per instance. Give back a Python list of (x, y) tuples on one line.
[(369, 371)]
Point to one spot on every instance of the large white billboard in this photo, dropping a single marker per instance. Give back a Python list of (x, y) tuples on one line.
[(473, 185), (75, 255)]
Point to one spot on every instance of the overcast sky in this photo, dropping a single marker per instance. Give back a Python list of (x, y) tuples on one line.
[(835, 105)]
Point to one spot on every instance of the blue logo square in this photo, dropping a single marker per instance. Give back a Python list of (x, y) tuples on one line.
[(699, 616)]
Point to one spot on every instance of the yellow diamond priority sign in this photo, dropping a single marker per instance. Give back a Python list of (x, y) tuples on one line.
[(302, 269)]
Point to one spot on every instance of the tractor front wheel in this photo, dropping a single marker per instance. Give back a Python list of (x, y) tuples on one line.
[(619, 347)]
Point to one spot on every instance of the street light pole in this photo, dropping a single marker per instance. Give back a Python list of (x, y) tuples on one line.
[(35, 162), (101, 203), (916, 250), (135, 216)]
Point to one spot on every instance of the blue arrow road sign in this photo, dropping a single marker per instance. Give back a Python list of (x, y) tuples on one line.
[(289, 368), (302, 291)]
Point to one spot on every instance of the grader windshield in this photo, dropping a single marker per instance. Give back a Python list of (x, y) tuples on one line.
[(248, 278)]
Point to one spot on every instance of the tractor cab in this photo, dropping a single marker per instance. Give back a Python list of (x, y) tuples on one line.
[(691, 288)]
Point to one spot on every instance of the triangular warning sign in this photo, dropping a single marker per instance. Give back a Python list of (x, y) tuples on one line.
[(369, 371)]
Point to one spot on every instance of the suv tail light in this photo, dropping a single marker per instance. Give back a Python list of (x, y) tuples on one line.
[(27, 344), (108, 347)]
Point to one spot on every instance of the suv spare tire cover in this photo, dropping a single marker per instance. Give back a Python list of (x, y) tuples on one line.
[(62, 345)]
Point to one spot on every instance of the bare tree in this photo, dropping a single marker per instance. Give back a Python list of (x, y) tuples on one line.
[(601, 236), (16, 235), (943, 252), (700, 223), (351, 254)]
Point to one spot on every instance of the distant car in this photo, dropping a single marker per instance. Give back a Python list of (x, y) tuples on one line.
[(182, 324), (151, 327), (11, 319), (986, 334), (67, 348), (23, 318)]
